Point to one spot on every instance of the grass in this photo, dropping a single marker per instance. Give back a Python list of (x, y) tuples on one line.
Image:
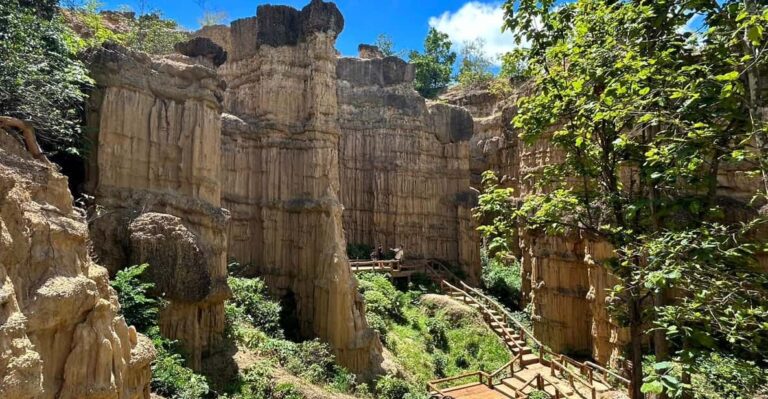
[(426, 343)]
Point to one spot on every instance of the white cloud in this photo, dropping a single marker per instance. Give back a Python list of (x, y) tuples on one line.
[(476, 20)]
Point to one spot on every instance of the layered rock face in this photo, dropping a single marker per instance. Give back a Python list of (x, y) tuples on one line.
[(280, 173), (564, 278), (405, 167), (155, 176), (60, 332)]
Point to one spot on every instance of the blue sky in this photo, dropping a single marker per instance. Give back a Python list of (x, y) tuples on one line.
[(406, 21)]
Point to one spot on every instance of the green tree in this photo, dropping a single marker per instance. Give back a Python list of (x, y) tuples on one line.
[(475, 65), (433, 67), (41, 80), (387, 46), (645, 116)]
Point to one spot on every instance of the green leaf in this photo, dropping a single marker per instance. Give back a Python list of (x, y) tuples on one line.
[(662, 366), (654, 387), (730, 76)]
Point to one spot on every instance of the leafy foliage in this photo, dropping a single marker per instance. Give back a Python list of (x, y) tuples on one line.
[(475, 65), (170, 376), (249, 303), (387, 46), (433, 67), (253, 322), (644, 116), (502, 281), (425, 340), (138, 307), (496, 214), (41, 80)]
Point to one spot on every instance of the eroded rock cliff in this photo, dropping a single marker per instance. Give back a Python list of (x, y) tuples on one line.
[(60, 332), (154, 172), (564, 278), (405, 164), (280, 173)]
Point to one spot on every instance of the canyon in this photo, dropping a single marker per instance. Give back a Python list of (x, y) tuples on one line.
[(258, 143)]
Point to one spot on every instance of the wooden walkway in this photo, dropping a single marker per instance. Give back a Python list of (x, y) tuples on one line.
[(556, 374)]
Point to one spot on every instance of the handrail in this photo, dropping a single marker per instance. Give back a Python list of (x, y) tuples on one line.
[(604, 371), (505, 333), (576, 377), (503, 310), (432, 385), (555, 387), (510, 364)]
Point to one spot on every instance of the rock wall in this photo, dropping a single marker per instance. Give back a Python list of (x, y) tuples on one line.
[(404, 164), (563, 277), (280, 173), (60, 332), (154, 172)]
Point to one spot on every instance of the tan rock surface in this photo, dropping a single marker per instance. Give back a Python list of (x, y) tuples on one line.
[(280, 177), (60, 332), (158, 131), (404, 165)]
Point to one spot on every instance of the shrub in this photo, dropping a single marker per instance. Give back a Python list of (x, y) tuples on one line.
[(381, 296), (391, 387), (724, 377), (138, 308), (252, 305), (171, 378), (503, 282), (538, 395), (440, 364), (437, 328)]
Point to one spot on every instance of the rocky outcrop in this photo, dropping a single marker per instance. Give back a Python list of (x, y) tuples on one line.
[(564, 278), (404, 164), (280, 173), (203, 47), (60, 332), (155, 175)]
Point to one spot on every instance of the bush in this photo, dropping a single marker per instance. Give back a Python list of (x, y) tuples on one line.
[(538, 395), (724, 377), (381, 297), (440, 364), (41, 80), (503, 282), (138, 308), (250, 303), (171, 378), (437, 328), (391, 387), (256, 382)]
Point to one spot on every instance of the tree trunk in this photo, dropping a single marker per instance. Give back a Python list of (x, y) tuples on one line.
[(636, 347)]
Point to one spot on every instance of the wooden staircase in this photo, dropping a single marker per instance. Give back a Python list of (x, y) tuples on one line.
[(556, 374)]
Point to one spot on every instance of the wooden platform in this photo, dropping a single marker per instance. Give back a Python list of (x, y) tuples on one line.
[(476, 391)]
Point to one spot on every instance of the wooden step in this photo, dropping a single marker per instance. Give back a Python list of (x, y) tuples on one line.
[(516, 350), (505, 390), (529, 358)]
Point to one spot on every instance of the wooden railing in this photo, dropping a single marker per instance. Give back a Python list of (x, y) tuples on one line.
[(499, 373), (433, 387), (375, 265), (603, 374)]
